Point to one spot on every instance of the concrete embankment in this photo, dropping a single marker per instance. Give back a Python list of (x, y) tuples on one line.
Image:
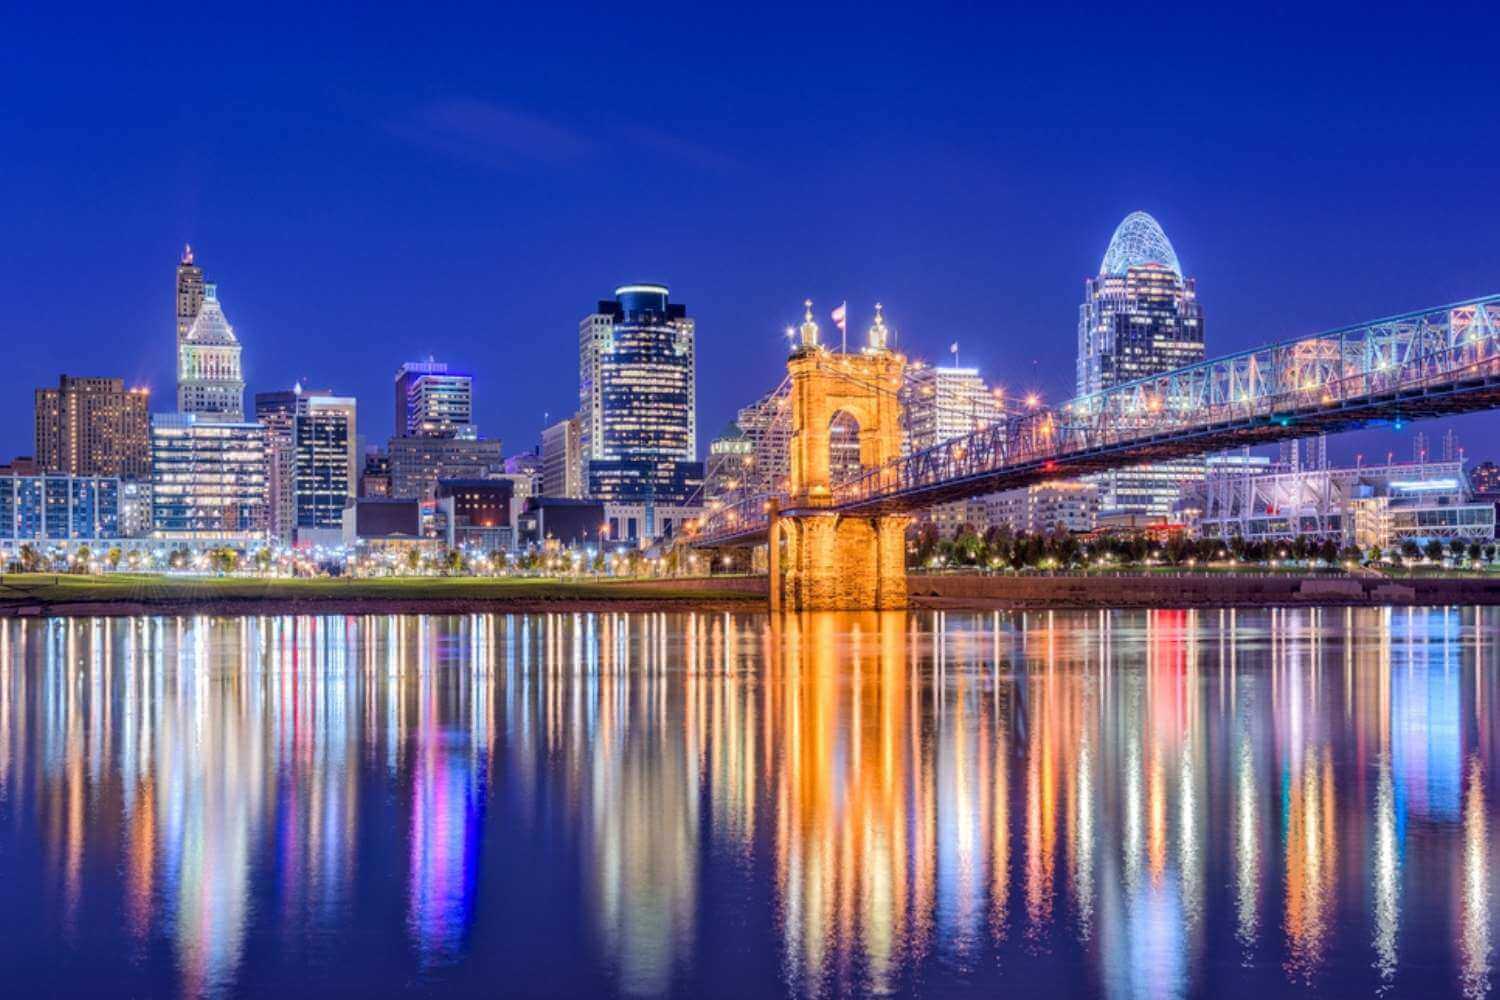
[(1194, 591)]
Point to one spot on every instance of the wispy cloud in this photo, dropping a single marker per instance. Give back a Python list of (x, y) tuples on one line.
[(476, 130), (685, 151), (479, 131)]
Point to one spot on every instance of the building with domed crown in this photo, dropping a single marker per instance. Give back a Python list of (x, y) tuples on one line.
[(1140, 317)]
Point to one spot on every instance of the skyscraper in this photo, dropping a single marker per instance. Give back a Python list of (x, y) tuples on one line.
[(1139, 317), (432, 401), (326, 470), (278, 412), (637, 398), (208, 479), (189, 292), (768, 424), (209, 382), (93, 427), (562, 461), (939, 404)]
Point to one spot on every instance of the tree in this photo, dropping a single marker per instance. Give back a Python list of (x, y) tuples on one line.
[(413, 559), (31, 559), (926, 544), (112, 557), (1328, 551), (1476, 552), (1410, 550), (1434, 551), (1457, 548), (81, 559), (1487, 552)]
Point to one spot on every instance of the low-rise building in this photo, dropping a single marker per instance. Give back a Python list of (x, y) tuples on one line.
[(1365, 506), (1046, 507), (58, 508)]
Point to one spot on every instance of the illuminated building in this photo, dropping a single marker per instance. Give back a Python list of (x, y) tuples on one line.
[(730, 469), (562, 459), (189, 293), (432, 401), (646, 522), (1485, 479), (766, 422), (637, 398), (480, 512), (58, 508), (937, 405), (940, 404), (1045, 507), (209, 380), (326, 443), (1139, 317), (417, 463), (278, 411), (375, 478), (311, 442), (209, 479), (1380, 505), (93, 427)]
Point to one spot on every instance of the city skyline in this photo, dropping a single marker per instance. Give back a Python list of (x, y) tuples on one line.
[(482, 214)]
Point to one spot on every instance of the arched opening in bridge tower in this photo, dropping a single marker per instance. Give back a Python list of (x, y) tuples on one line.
[(843, 447)]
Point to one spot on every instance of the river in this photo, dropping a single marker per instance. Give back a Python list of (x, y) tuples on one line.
[(1121, 803)]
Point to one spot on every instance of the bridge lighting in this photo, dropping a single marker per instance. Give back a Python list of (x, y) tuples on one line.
[(1032, 401)]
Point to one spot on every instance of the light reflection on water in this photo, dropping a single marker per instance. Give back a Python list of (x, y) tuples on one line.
[(1114, 803)]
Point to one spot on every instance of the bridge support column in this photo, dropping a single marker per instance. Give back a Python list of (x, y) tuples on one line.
[(838, 563)]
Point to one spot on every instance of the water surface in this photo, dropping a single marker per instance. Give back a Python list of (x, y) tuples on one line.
[(1121, 804)]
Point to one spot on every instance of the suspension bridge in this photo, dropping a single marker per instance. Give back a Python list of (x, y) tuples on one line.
[(1415, 366)]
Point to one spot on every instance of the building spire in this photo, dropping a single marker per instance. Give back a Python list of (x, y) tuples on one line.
[(187, 253), (880, 336), (809, 326)]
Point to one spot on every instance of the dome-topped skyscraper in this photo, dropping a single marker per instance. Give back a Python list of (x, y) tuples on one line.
[(1138, 242), (1140, 317)]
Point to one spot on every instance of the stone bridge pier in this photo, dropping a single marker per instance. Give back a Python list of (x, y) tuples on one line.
[(820, 560)]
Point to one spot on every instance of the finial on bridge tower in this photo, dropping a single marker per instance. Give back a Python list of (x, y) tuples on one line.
[(880, 337), (809, 327)]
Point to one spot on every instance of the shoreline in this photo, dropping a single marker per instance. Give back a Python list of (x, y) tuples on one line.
[(63, 596)]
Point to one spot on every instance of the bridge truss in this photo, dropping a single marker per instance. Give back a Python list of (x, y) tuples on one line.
[(1410, 367)]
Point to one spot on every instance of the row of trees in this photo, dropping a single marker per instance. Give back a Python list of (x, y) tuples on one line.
[(1001, 548)]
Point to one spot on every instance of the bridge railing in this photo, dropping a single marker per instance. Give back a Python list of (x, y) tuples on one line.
[(1278, 381)]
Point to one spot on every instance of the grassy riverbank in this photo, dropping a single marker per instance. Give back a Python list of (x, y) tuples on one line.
[(35, 593)]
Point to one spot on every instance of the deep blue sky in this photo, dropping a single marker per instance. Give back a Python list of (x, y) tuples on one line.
[(369, 186)]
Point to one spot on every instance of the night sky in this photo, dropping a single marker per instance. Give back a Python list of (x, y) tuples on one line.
[(369, 186)]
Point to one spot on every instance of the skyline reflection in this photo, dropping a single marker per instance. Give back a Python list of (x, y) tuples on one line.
[(1120, 803)]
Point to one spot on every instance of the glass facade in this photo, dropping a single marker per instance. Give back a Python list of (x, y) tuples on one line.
[(209, 481), (325, 432), (58, 508), (1139, 317), (432, 401), (638, 378)]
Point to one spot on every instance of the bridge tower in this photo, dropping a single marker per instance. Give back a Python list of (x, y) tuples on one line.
[(821, 560)]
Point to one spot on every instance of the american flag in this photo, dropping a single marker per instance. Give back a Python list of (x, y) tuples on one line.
[(840, 316)]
